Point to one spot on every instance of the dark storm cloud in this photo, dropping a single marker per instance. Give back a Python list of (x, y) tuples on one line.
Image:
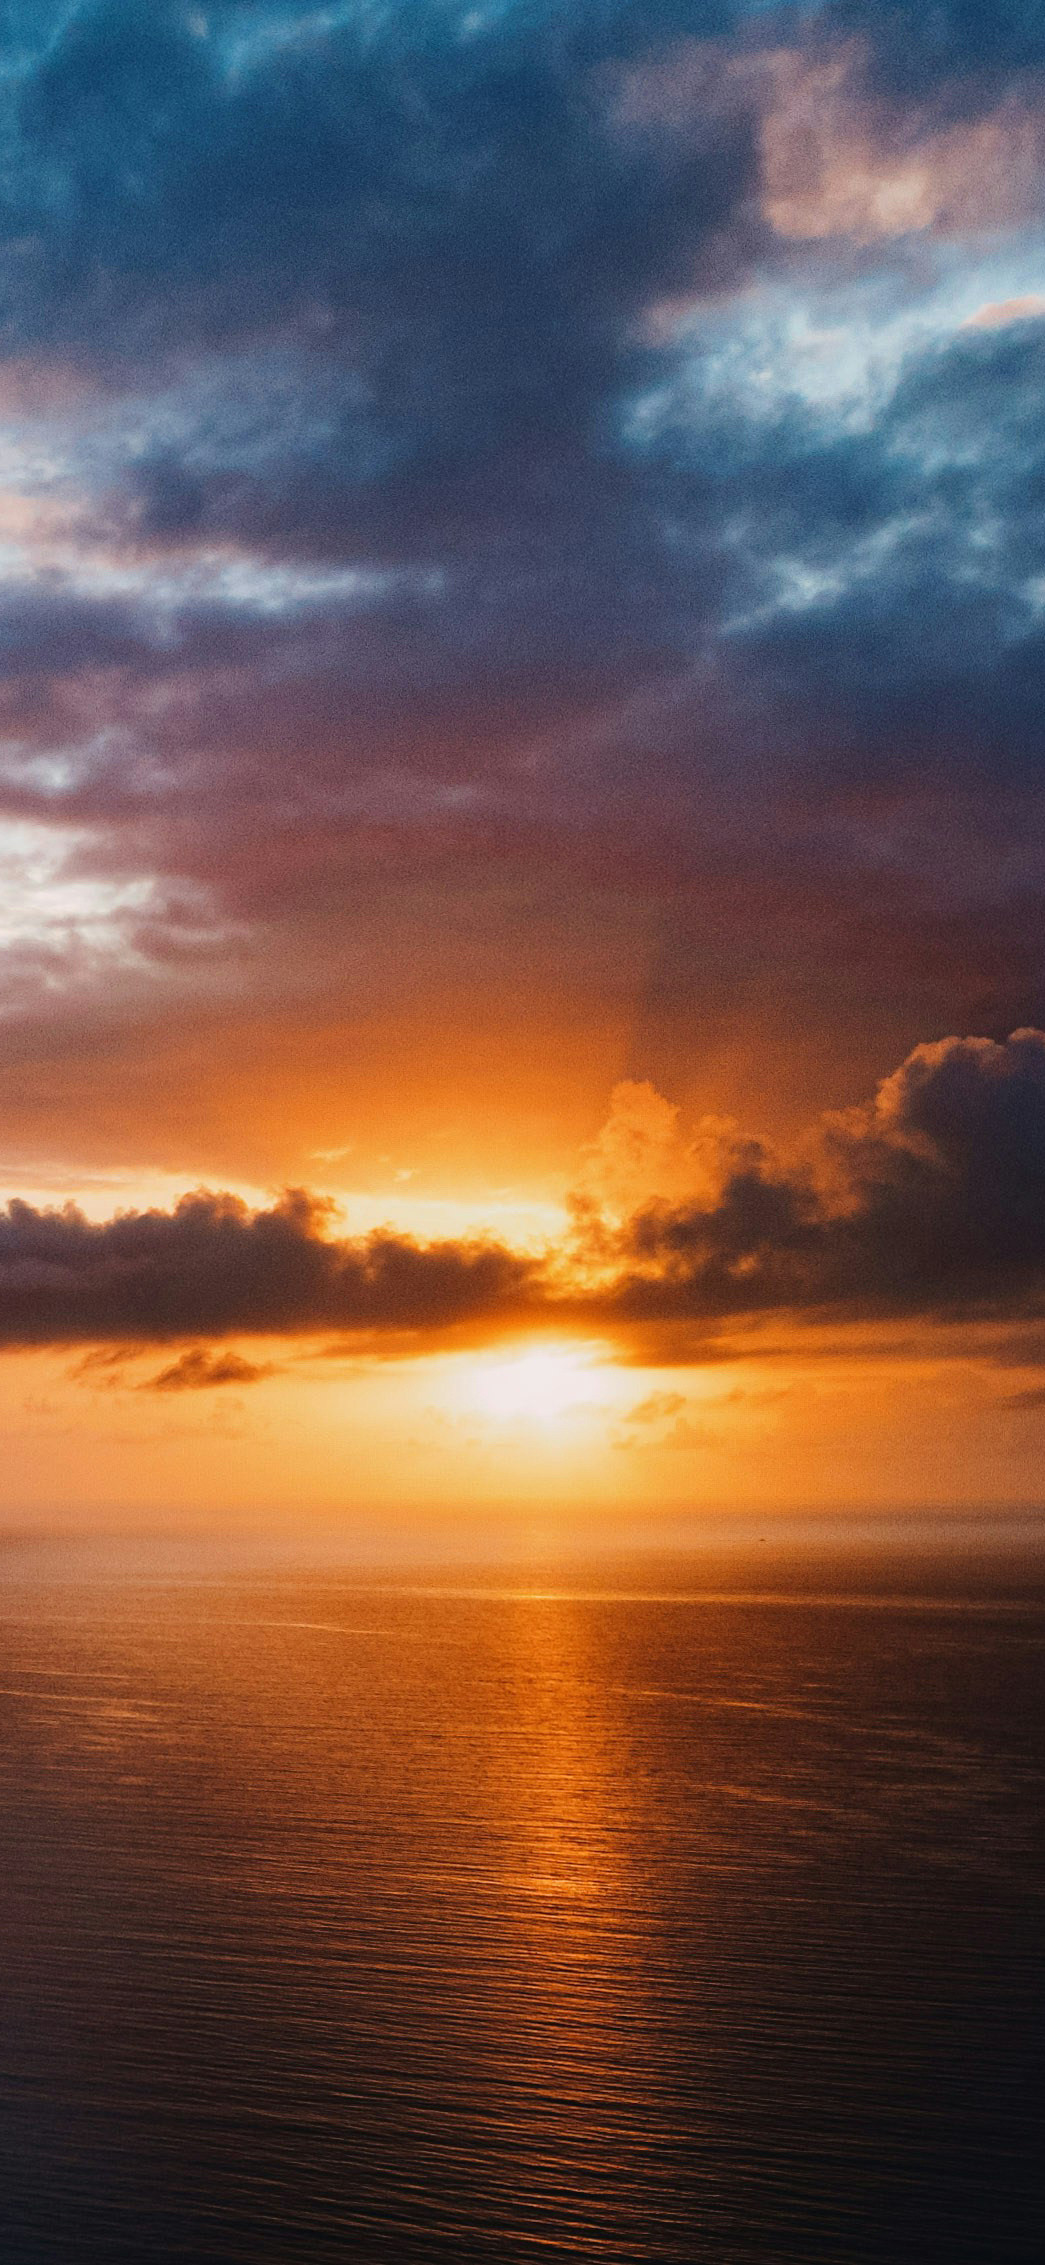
[(417, 247), (932, 1201), (403, 294), (929, 1202), (888, 614), (938, 48), (211, 1268), (439, 219), (47, 631), (183, 180), (873, 614)]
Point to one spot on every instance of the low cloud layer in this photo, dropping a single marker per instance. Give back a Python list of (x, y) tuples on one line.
[(929, 1201), (211, 1268)]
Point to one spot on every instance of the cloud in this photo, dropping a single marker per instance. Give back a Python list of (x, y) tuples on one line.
[(212, 1268), (1026, 307), (836, 159), (663, 1420), (658, 1407), (636, 1152), (198, 1370), (928, 1201), (337, 180), (449, 449), (1027, 1402), (955, 51), (931, 1200)]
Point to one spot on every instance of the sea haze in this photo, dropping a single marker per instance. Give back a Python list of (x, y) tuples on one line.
[(354, 1918)]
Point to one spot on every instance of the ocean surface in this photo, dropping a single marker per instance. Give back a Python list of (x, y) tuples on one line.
[(354, 1919)]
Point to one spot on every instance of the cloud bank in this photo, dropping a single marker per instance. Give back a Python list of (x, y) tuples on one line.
[(929, 1201), (212, 1268)]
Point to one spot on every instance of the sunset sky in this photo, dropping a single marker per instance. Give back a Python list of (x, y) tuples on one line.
[(522, 537)]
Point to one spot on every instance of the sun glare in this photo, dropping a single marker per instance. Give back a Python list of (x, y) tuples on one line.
[(540, 1385)]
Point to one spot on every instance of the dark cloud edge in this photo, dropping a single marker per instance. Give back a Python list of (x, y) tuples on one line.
[(927, 1203)]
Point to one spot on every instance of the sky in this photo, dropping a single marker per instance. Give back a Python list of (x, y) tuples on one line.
[(522, 610)]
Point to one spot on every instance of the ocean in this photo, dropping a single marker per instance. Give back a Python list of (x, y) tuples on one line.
[(521, 1916)]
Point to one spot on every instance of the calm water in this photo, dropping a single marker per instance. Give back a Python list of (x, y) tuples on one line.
[(340, 1923)]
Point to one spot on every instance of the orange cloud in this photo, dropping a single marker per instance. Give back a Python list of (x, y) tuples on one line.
[(836, 165), (835, 161), (928, 1202), (998, 312)]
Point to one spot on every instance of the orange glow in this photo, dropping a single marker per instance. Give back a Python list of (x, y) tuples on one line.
[(541, 1385)]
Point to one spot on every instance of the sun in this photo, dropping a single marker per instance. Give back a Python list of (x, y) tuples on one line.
[(540, 1385)]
